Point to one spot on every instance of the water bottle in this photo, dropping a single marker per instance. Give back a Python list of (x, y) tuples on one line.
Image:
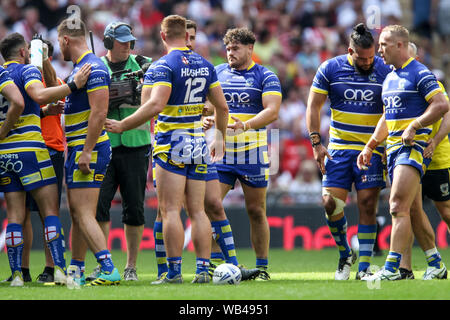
[(36, 51), (73, 277)]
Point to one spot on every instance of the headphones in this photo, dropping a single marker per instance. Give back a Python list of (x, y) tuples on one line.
[(108, 41)]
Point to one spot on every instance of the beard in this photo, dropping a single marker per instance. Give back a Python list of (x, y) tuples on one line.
[(364, 72)]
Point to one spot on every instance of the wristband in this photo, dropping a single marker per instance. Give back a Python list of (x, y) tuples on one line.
[(315, 138), (72, 86)]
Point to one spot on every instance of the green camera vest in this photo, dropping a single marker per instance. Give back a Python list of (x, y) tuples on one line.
[(135, 137)]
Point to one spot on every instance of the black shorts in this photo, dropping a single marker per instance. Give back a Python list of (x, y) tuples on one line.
[(57, 158), (435, 184), (127, 171)]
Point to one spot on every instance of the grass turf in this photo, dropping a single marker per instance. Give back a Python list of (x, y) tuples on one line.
[(296, 275)]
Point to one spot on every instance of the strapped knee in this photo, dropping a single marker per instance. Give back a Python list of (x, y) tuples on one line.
[(340, 204)]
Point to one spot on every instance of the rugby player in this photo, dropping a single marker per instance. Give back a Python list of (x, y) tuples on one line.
[(435, 182), (223, 249), (413, 102), (88, 152), (26, 164), (253, 95), (353, 84), (181, 82)]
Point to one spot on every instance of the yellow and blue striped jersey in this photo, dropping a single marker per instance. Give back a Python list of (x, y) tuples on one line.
[(355, 101), (178, 128), (441, 154), (244, 91), (26, 134), (77, 108), (406, 92)]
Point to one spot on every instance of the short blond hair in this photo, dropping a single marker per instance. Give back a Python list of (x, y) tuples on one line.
[(174, 27), (73, 27), (399, 32)]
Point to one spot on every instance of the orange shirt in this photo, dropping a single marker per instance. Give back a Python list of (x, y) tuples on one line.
[(52, 131)]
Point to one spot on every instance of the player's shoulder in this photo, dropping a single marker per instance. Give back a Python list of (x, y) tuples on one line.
[(28, 68), (381, 67), (221, 67), (332, 64), (96, 63)]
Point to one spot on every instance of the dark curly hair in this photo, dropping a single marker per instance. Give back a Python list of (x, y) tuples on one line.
[(240, 35)]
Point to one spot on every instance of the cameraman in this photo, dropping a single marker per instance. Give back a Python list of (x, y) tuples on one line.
[(130, 149)]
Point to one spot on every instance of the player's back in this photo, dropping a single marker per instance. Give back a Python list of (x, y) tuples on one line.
[(26, 133), (178, 127), (77, 109), (355, 100)]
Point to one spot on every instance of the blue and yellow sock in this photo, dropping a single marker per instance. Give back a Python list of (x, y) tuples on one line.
[(366, 238), (202, 265), (174, 267), (217, 258), (262, 263), (54, 236), (104, 259), (160, 250), (224, 237), (433, 258), (14, 243), (393, 261), (339, 231)]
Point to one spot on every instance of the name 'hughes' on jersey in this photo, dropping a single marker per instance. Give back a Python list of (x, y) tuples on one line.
[(191, 77)]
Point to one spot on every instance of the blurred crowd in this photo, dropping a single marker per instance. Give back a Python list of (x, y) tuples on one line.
[(293, 38)]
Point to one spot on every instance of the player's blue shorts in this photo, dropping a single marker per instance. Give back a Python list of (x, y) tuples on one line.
[(190, 171), (407, 155), (211, 173), (342, 171), (26, 171), (101, 155), (253, 175)]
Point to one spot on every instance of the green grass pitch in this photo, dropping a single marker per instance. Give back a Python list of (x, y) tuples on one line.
[(296, 275)]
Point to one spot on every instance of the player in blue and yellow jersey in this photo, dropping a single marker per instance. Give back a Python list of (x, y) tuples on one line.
[(413, 102), (353, 84), (27, 166), (435, 182), (180, 83), (223, 249), (253, 95), (88, 151)]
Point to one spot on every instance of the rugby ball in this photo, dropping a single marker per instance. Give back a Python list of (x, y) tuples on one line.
[(227, 273)]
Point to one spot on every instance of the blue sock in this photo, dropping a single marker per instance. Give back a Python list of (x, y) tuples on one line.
[(224, 237), (262, 263), (366, 238), (217, 256), (79, 264), (433, 258), (54, 236), (339, 231), (104, 259), (14, 243), (174, 267), (160, 250), (393, 261), (202, 265)]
